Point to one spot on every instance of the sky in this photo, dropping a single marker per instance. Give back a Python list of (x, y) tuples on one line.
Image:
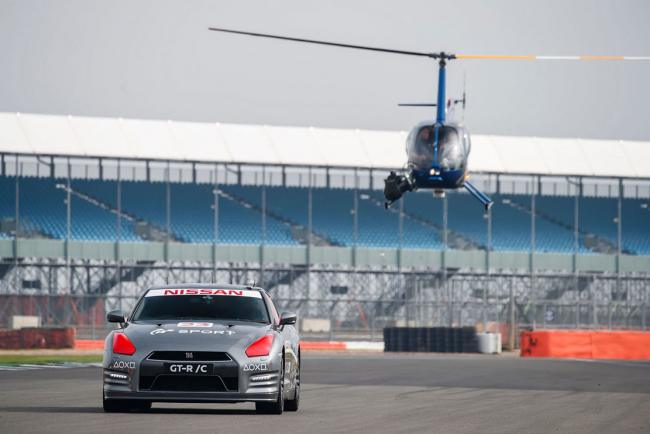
[(156, 59)]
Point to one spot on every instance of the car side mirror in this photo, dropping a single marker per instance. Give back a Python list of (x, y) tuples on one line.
[(288, 318), (116, 316)]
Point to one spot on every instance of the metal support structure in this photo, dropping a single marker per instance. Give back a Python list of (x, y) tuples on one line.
[(68, 223), (445, 244), (17, 221), (400, 231), (75, 288), (215, 225), (263, 234), (310, 232), (533, 239), (168, 215), (119, 229), (355, 218), (512, 329), (619, 244), (488, 265)]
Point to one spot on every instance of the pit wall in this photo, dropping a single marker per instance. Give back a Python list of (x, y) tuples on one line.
[(586, 344)]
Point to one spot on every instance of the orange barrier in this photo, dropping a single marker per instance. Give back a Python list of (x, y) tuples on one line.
[(322, 345), (586, 344), (89, 344)]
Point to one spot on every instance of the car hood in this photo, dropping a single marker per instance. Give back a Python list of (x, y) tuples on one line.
[(194, 336)]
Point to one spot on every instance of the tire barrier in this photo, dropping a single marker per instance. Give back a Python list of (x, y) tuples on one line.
[(431, 339), (37, 338), (586, 344)]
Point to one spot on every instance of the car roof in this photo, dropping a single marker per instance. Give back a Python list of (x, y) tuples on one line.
[(206, 286)]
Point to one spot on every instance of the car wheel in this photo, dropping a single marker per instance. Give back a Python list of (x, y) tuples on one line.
[(292, 404), (277, 406)]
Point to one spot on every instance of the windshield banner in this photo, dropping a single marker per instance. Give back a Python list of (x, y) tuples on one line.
[(204, 291)]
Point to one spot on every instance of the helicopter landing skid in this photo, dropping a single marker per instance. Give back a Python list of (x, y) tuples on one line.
[(478, 194)]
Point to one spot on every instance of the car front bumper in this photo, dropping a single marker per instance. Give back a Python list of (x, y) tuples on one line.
[(121, 392), (230, 382)]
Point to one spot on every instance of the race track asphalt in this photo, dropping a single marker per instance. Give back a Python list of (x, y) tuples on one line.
[(365, 392)]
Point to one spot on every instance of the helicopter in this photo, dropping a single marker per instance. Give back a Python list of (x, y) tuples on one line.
[(437, 151)]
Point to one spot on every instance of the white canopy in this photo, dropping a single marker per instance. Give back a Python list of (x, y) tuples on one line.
[(309, 146)]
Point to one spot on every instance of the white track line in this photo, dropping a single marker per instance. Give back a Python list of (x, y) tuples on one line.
[(66, 365)]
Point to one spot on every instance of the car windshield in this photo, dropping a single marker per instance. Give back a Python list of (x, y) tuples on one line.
[(202, 304)]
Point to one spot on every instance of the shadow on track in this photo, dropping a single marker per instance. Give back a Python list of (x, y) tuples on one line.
[(222, 411), (28, 409)]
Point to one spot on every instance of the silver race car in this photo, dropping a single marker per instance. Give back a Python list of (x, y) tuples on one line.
[(202, 343)]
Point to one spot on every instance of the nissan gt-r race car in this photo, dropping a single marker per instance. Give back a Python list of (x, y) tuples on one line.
[(202, 343)]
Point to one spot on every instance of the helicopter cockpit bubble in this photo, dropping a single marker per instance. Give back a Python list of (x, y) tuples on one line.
[(452, 150), (453, 147), (419, 147)]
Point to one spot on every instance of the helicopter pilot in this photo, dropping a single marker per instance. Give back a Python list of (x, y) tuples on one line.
[(421, 155)]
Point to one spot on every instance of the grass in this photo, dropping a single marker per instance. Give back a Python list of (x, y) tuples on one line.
[(17, 359)]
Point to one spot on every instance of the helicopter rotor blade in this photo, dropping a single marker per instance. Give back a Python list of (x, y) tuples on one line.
[(441, 55), (332, 44), (416, 104), (531, 57)]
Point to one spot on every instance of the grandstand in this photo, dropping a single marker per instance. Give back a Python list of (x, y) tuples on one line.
[(94, 211), (101, 208)]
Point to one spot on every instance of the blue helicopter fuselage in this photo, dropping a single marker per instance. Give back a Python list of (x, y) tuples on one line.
[(437, 155), (448, 179)]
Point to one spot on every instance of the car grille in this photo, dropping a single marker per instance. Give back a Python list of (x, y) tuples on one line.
[(154, 377), (188, 383), (197, 356)]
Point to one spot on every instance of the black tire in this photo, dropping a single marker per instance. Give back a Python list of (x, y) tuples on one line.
[(293, 404), (277, 406), (124, 405)]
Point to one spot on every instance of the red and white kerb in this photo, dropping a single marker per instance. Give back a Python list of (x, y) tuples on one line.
[(204, 291)]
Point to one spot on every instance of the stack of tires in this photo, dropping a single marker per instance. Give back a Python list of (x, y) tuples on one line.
[(430, 339)]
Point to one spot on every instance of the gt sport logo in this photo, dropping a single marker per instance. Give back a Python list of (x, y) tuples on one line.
[(255, 367), (121, 364), (192, 332)]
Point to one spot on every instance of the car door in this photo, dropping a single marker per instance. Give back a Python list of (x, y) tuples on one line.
[(290, 341)]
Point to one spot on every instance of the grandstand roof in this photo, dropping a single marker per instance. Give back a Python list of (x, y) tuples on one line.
[(306, 146)]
